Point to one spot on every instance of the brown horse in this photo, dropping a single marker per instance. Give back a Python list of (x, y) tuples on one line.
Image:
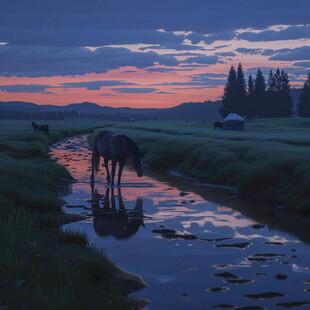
[(116, 148), (39, 128), (218, 125)]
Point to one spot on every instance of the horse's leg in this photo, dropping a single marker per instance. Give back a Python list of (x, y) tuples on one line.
[(121, 205), (120, 170), (92, 177), (113, 171), (106, 163)]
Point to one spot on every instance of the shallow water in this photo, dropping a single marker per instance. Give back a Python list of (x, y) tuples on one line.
[(196, 247)]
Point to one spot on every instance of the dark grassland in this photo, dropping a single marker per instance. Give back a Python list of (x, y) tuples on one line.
[(270, 160), (40, 266)]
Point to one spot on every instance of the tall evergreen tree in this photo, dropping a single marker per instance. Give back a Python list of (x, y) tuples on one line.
[(250, 85), (279, 100), (259, 95), (241, 98), (278, 80), (304, 99), (271, 106), (271, 84), (286, 102), (229, 97), (250, 91)]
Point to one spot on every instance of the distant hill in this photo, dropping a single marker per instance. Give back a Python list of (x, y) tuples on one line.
[(207, 110), (21, 106)]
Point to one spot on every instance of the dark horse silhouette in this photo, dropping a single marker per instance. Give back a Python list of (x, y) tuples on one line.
[(116, 148), (121, 223), (218, 125), (38, 128)]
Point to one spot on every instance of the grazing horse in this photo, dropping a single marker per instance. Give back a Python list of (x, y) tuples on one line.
[(38, 128), (116, 148), (218, 125)]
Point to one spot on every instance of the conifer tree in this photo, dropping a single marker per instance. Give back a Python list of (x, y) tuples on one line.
[(304, 99), (286, 102), (229, 97), (271, 100), (259, 95), (250, 91), (241, 99), (250, 85)]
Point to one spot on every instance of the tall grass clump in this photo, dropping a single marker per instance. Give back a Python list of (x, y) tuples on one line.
[(269, 160)]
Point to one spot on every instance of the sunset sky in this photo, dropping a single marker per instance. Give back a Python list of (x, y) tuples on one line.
[(145, 53)]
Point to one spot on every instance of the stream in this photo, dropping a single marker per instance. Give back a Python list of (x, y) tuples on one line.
[(196, 246)]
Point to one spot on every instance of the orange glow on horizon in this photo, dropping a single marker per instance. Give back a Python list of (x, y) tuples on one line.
[(185, 89)]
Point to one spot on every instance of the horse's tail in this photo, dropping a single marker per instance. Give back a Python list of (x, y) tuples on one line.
[(95, 158)]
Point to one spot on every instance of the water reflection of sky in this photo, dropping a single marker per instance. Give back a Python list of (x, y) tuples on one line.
[(179, 272)]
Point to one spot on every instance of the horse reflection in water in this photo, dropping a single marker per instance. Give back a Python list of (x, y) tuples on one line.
[(121, 223)]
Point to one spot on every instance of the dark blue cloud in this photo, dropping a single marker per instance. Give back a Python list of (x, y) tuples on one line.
[(95, 85), (250, 51), (208, 60), (80, 37), (208, 75), (305, 64), (200, 16), (173, 46), (196, 37), (209, 39), (164, 93), (290, 33), (51, 61), (196, 81), (21, 88), (196, 87), (162, 70), (126, 90), (107, 95), (300, 53), (224, 54), (167, 70)]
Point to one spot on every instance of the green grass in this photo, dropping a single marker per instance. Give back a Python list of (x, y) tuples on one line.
[(42, 267), (271, 159)]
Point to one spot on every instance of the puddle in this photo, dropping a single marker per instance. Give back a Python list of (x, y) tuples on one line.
[(196, 247)]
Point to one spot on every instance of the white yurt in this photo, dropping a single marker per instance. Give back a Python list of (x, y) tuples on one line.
[(233, 122)]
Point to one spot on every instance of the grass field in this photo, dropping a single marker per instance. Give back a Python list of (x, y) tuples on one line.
[(43, 268), (271, 159), (40, 266)]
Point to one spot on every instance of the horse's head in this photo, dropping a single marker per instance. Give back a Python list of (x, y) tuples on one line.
[(33, 124), (138, 164)]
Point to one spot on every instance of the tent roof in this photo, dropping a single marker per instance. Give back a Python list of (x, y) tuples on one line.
[(234, 117)]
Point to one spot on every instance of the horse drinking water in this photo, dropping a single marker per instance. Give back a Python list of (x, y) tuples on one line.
[(45, 128), (116, 148)]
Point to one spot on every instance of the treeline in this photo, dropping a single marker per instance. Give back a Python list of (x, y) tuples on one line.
[(303, 106), (261, 98), (257, 98), (15, 114), (61, 115)]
